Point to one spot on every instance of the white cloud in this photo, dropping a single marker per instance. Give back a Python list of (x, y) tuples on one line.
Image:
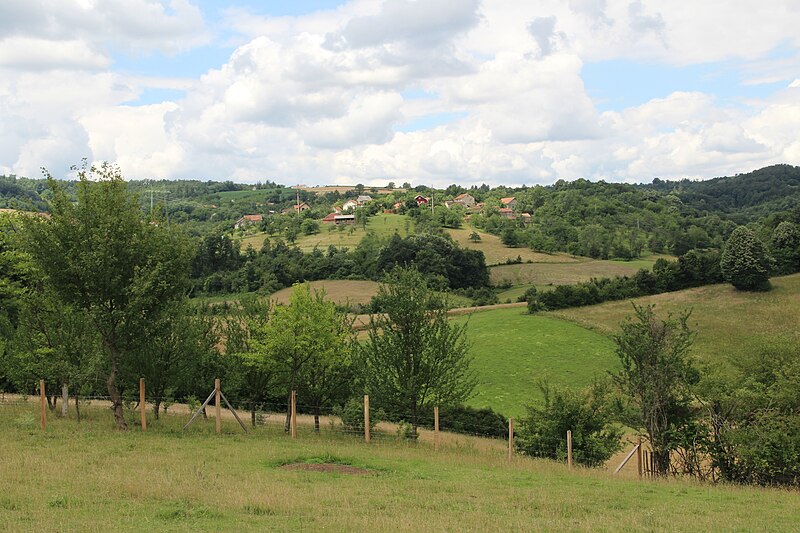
[(318, 98)]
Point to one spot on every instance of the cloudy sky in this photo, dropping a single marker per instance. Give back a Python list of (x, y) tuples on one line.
[(426, 91)]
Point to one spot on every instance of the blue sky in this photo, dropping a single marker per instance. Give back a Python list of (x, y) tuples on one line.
[(429, 91)]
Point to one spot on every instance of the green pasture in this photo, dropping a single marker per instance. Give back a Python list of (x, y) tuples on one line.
[(512, 351)]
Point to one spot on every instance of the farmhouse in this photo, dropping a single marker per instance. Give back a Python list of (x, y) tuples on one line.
[(330, 219), (506, 212), (349, 205), (421, 200), (509, 202), (466, 199), (363, 199), (344, 219), (246, 220)]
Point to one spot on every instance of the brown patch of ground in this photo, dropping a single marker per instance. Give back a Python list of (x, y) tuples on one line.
[(332, 468)]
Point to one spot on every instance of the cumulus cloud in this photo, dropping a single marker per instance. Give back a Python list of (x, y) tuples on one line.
[(322, 97)]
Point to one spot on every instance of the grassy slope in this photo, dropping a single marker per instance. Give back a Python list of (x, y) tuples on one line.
[(89, 477), (383, 225), (512, 350), (541, 274), (728, 322), (496, 252), (339, 291)]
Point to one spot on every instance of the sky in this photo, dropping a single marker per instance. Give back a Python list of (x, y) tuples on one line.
[(429, 92)]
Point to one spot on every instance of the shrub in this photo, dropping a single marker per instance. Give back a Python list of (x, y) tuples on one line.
[(543, 433), (352, 416)]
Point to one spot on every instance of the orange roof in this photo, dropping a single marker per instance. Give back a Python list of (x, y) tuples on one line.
[(253, 218), (461, 196), (506, 201)]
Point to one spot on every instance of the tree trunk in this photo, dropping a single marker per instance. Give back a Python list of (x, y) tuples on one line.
[(116, 398), (156, 407), (253, 414), (64, 399), (51, 402), (205, 413), (661, 460), (287, 424), (316, 419), (77, 408)]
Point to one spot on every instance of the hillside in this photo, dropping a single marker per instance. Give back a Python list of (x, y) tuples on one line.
[(776, 186), (728, 322)]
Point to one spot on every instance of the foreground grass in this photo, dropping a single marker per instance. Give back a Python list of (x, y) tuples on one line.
[(729, 323), (512, 351), (89, 477)]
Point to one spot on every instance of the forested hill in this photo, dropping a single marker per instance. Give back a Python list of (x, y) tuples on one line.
[(773, 188)]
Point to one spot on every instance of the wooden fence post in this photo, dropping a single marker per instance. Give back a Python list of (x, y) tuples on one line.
[(569, 448), (142, 408), (436, 428), (510, 438), (43, 404), (639, 464), (294, 414), (218, 408), (366, 419)]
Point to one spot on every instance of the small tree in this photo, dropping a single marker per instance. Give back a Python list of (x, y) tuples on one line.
[(414, 357), (745, 262), (785, 245), (587, 414), (474, 237), (656, 377)]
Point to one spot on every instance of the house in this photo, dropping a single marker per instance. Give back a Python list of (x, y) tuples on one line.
[(526, 218), (363, 199), (398, 205), (330, 219), (246, 220), (349, 205), (506, 212), (509, 202), (302, 206), (421, 200), (344, 219), (337, 210), (466, 199)]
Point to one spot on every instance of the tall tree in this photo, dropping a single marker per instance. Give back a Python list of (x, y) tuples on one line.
[(101, 256), (656, 377), (414, 357), (745, 262)]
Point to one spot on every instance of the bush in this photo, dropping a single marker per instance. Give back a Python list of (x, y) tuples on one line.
[(745, 262), (463, 419), (352, 415), (543, 433)]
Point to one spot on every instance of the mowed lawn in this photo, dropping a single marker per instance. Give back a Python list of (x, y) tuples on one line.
[(512, 351), (729, 323), (497, 253), (541, 274), (89, 477), (383, 225)]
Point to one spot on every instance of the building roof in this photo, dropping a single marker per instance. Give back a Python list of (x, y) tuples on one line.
[(251, 218), (462, 196), (506, 201), (363, 198), (344, 217), (330, 218), (506, 210)]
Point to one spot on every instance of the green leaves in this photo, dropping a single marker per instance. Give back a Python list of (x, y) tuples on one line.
[(745, 262)]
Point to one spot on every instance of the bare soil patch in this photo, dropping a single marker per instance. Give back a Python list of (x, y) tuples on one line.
[(330, 468)]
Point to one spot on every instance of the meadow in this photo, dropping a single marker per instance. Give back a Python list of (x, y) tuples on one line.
[(89, 477), (729, 323), (497, 253), (513, 351), (566, 273), (383, 225)]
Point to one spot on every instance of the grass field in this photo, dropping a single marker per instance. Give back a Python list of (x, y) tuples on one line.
[(340, 291), (89, 477), (512, 351), (497, 253), (541, 274), (728, 322), (383, 225)]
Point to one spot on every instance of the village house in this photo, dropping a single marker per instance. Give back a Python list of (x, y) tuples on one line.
[(297, 208), (344, 219), (466, 199), (421, 200), (510, 202), (329, 219), (506, 212), (246, 220), (349, 205), (363, 199)]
